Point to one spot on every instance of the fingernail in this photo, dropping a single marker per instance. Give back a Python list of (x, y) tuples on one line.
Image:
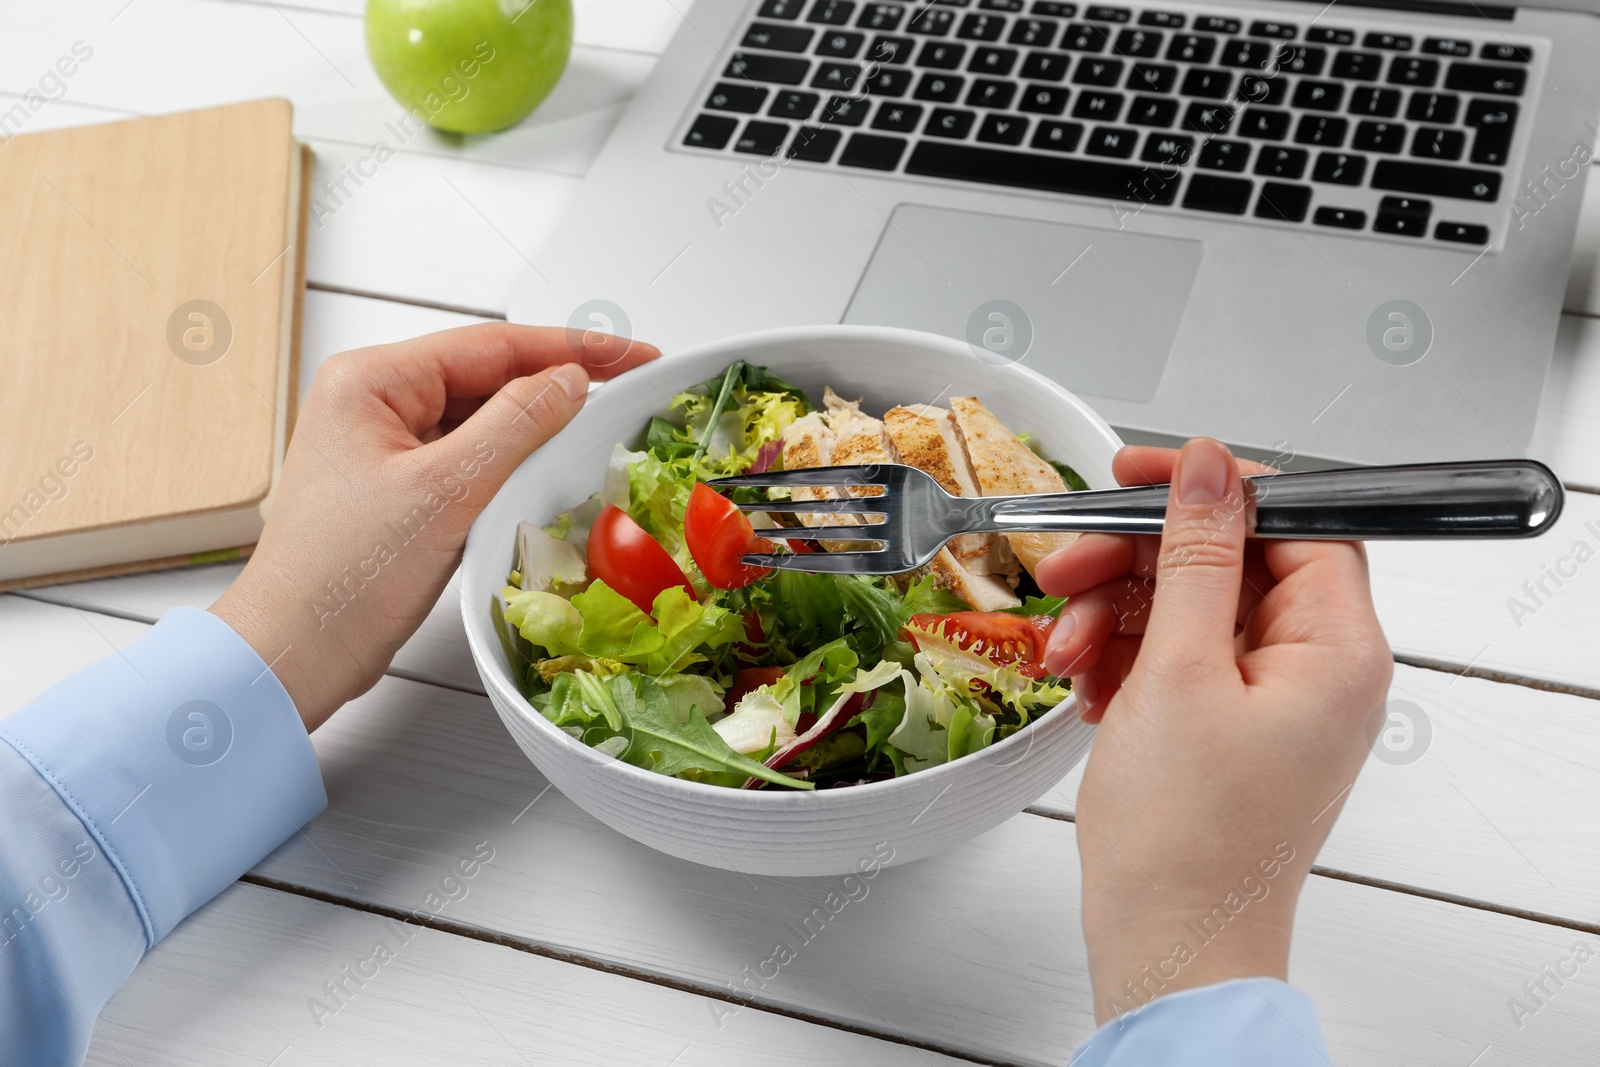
[(1202, 472), (1084, 686), (1055, 659), (572, 378)]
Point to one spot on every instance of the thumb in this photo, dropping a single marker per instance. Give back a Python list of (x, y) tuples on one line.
[(507, 427), (1201, 564)]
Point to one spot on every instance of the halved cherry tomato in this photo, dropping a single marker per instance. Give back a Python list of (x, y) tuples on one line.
[(718, 536), (1015, 640), (748, 679), (629, 560)]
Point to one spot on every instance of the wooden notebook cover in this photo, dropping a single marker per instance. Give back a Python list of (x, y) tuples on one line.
[(112, 232)]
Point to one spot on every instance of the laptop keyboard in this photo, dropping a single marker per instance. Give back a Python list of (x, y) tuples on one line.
[(1340, 126)]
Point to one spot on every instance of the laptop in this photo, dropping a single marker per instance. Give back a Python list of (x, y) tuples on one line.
[(1336, 231)]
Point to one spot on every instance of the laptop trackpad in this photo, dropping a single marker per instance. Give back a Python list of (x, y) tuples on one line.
[(1098, 308)]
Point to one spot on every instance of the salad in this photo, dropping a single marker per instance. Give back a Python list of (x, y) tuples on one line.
[(635, 626)]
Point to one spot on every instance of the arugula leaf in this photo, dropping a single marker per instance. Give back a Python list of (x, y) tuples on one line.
[(804, 611), (878, 612), (659, 742)]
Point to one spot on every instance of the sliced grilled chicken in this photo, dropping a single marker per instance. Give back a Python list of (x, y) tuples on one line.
[(926, 438), (1002, 465)]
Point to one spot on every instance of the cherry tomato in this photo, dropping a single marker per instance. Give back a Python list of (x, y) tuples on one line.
[(748, 679), (1015, 640), (630, 561), (718, 536)]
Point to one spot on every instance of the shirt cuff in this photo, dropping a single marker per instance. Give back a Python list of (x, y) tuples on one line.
[(1247, 1022), (183, 756)]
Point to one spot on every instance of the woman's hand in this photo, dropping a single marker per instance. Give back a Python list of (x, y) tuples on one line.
[(396, 450), (1235, 682)]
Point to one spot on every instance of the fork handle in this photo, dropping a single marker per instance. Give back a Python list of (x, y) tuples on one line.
[(1493, 498)]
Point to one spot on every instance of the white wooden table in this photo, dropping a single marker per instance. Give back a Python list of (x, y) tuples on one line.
[(1448, 883)]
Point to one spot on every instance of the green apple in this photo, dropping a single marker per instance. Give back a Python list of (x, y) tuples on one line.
[(469, 66)]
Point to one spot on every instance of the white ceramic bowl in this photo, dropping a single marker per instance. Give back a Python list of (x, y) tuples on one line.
[(831, 831)]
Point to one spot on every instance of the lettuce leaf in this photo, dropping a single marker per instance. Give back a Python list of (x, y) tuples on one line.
[(548, 621)]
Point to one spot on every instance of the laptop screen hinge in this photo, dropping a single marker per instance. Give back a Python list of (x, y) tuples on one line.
[(1455, 8)]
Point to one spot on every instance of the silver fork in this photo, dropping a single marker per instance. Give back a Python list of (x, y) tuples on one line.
[(910, 517)]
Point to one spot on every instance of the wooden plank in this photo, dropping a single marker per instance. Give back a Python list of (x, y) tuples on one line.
[(419, 776), (1470, 815), (239, 981)]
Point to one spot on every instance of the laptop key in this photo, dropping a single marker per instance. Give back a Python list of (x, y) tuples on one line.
[(793, 104), (1081, 37), (986, 92), (930, 22), (1043, 99), (1242, 53), (980, 27), (1380, 103), (1433, 179), (1036, 33), (839, 76), (1323, 130), (781, 9), (1167, 20), (761, 138), (840, 44), (1462, 233), (1138, 44), (1491, 145), (1255, 89), (812, 144), (940, 88), (777, 37), (1054, 9), (890, 50), (1379, 137), (710, 131), (753, 66), (1298, 59), (845, 111), (1098, 72), (1358, 66), (1318, 96), (1265, 124), (1102, 106), (1111, 141), (1447, 46), (1208, 118), (1172, 149), (1275, 162), (1477, 78), (832, 12), (1108, 14), (1433, 107), (1052, 173), (950, 122), (1394, 42), (1208, 192), (1153, 111), (1224, 155), (1216, 24), (1281, 30), (1191, 48), (1403, 215), (1002, 129), (1210, 84), (881, 17), (996, 61), (1284, 202), (887, 81), (1328, 35), (872, 151), (1413, 70), (1506, 53), (1485, 113), (901, 118), (1339, 168), (1340, 217), (1057, 136), (1431, 142), (1044, 66), (1152, 77), (941, 56), (736, 96)]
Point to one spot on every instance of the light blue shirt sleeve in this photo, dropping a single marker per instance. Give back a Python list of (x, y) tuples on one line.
[(1248, 1022), (130, 794)]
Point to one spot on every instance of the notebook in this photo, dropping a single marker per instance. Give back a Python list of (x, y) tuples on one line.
[(151, 283)]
